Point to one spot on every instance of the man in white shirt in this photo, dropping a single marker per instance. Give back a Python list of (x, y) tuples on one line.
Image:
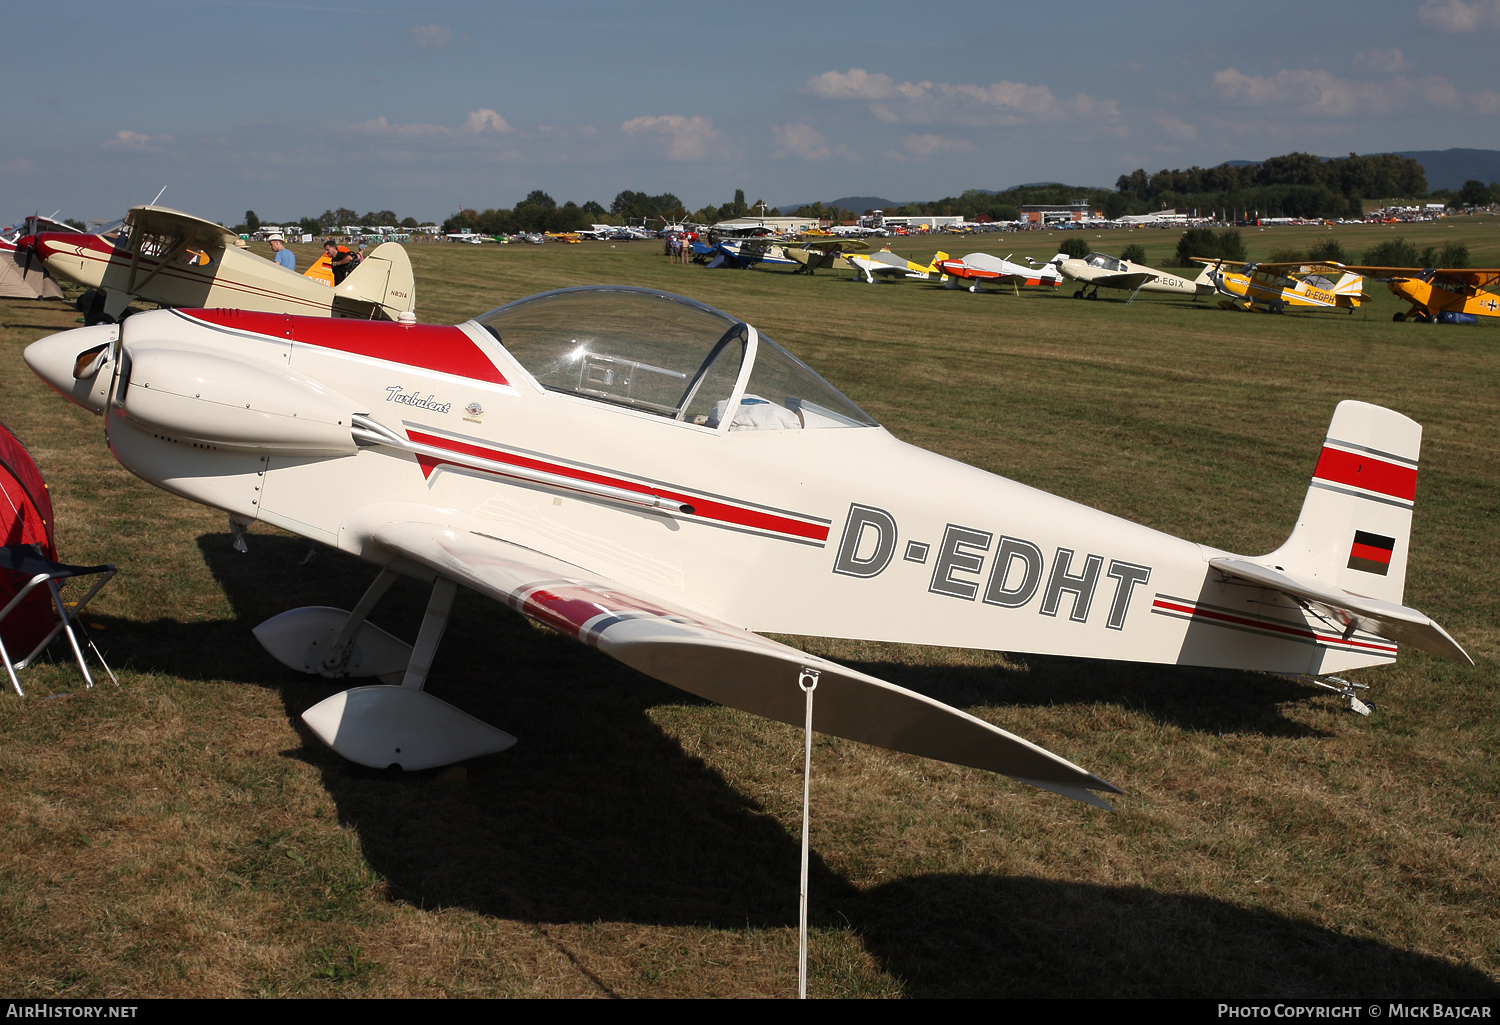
[(283, 255)]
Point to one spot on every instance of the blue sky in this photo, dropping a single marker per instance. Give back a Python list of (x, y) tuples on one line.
[(290, 108)]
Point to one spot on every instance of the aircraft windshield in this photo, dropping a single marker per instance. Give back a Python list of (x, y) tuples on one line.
[(663, 354), (1104, 262)]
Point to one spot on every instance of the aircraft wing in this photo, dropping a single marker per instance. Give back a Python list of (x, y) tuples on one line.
[(1129, 281), (160, 220), (1473, 277), (1353, 611), (716, 660), (837, 245)]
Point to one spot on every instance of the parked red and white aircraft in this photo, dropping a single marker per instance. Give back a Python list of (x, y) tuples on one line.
[(980, 268), (175, 259), (657, 479), (22, 273)]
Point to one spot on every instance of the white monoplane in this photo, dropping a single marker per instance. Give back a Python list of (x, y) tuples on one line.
[(175, 259), (1096, 271), (979, 269), (657, 479)]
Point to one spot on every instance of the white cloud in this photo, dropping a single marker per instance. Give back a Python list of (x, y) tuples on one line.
[(138, 142), (1382, 62), (801, 141), (430, 37), (477, 123), (485, 120), (855, 84), (1000, 103), (1319, 92), (924, 146), (1173, 127), (1459, 16), (688, 138)]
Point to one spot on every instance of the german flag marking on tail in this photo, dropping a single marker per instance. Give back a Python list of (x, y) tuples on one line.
[(1371, 553)]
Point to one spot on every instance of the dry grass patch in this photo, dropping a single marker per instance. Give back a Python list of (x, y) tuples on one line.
[(184, 836)]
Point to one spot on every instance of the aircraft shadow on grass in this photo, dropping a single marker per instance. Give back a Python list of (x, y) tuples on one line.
[(598, 814)]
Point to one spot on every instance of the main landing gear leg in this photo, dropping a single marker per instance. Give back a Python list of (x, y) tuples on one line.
[(380, 726)]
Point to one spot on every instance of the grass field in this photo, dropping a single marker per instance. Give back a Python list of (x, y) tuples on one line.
[(185, 835)]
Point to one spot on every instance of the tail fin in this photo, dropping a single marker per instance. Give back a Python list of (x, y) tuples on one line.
[(1355, 524), (935, 267), (381, 287)]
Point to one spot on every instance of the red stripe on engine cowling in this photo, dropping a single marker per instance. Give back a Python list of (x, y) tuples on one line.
[(702, 507), (1367, 472), (446, 350)]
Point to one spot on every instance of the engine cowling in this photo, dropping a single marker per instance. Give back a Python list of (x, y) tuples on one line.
[(233, 403)]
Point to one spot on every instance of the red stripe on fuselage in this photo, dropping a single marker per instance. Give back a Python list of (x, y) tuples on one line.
[(1361, 470), (446, 350), (1260, 624), (702, 507)]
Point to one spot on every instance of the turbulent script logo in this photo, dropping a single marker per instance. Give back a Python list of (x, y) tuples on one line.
[(395, 394)]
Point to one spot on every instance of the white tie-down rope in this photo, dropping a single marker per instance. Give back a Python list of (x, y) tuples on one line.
[(808, 681)]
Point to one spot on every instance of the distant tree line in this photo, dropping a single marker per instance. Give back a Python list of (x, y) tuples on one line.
[(1292, 185)]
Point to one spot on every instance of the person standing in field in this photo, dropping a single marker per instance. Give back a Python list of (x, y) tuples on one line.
[(281, 254)]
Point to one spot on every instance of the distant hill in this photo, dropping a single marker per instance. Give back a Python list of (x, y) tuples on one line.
[(1450, 168), (859, 204)]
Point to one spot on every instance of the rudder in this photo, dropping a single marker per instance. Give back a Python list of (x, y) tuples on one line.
[(1355, 526), (383, 280)]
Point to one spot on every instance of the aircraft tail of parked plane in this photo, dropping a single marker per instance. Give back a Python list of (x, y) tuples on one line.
[(383, 279)]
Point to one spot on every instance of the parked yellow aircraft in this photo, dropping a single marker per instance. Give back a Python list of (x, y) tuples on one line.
[(1273, 287), (1444, 294), (175, 259)]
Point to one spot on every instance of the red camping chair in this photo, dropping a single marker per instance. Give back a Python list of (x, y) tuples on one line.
[(31, 615)]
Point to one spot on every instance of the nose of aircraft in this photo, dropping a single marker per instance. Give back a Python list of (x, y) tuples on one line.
[(65, 360)]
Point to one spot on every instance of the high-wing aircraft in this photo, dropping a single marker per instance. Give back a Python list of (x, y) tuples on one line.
[(740, 253), (472, 237), (23, 275), (886, 264), (981, 268), (657, 479), (825, 253), (1273, 287), (174, 259), (1097, 270), (1440, 294)]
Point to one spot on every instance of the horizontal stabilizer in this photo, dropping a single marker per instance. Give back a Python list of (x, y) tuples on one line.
[(1381, 618)]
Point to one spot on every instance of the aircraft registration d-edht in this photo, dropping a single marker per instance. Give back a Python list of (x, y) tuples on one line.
[(657, 479)]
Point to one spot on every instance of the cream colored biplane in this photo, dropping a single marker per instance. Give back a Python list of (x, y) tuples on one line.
[(177, 260)]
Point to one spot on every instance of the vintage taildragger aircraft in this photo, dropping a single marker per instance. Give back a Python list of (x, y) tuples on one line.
[(825, 253), (23, 275), (742, 253), (1097, 270), (1273, 287), (1440, 294), (886, 264), (174, 259), (657, 479), (979, 268)]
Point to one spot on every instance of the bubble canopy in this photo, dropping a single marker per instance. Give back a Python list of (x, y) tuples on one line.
[(666, 355)]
